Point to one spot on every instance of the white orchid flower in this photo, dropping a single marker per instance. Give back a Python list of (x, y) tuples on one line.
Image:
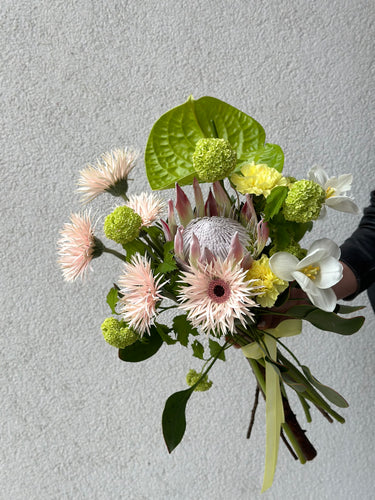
[(335, 189), (315, 274)]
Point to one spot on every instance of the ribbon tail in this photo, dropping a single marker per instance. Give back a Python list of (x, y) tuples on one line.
[(274, 415)]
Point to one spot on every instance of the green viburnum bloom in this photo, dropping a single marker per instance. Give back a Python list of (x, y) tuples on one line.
[(192, 377), (122, 225), (117, 333), (214, 159), (294, 248), (304, 201)]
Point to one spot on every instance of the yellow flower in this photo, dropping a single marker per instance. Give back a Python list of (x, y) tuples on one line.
[(258, 179), (270, 285)]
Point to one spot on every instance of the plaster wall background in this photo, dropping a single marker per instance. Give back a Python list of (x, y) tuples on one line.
[(79, 78)]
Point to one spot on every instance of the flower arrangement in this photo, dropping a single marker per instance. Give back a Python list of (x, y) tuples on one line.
[(220, 263)]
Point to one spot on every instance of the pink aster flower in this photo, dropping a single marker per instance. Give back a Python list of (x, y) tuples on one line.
[(77, 246), (148, 206), (141, 292), (110, 174), (216, 294)]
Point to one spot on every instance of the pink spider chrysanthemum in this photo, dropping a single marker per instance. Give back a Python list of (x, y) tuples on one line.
[(110, 174), (141, 292), (77, 246), (148, 206), (216, 294)]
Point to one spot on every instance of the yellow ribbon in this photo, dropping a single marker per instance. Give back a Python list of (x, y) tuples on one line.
[(274, 404)]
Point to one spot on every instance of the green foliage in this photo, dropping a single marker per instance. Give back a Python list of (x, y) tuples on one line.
[(112, 299), (183, 329), (270, 154), (274, 201), (164, 331), (216, 350), (172, 141), (327, 321), (329, 393), (143, 348), (198, 349), (169, 264), (174, 419)]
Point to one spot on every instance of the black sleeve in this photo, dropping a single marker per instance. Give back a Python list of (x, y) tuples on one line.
[(358, 251)]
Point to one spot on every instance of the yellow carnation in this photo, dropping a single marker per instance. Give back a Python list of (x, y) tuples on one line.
[(270, 285), (258, 179)]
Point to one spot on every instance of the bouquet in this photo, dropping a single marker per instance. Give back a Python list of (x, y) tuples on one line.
[(220, 263)]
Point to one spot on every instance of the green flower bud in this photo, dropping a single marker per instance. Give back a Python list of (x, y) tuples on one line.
[(294, 248), (122, 225), (214, 159), (117, 333), (304, 201), (192, 377)]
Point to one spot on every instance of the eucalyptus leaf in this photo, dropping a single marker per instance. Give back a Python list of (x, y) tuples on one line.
[(171, 143), (327, 321), (174, 419), (142, 349), (329, 393)]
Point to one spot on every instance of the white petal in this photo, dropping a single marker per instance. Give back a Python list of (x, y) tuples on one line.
[(304, 282), (330, 273), (341, 184), (329, 248), (312, 257), (324, 299), (343, 204), (283, 264), (318, 175)]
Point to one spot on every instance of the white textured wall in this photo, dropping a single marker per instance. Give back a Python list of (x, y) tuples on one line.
[(81, 77)]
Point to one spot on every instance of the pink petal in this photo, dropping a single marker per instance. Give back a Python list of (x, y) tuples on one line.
[(199, 202), (183, 207), (211, 206)]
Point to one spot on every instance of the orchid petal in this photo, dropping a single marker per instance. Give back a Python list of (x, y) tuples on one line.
[(330, 273), (343, 204), (340, 184), (283, 264), (328, 247), (324, 299), (318, 174)]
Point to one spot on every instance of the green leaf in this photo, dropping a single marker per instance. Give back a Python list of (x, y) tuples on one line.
[(297, 386), (198, 349), (169, 263), (327, 321), (275, 201), (216, 350), (163, 331), (270, 154), (112, 299), (329, 393), (173, 419), (343, 309), (172, 141), (142, 349), (183, 329), (133, 247)]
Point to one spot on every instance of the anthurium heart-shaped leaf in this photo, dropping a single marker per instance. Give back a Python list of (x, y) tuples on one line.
[(270, 154), (329, 393), (172, 141), (174, 420), (142, 349)]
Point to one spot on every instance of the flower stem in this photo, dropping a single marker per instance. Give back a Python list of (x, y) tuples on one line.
[(115, 253)]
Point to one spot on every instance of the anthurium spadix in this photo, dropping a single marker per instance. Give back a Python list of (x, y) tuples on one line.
[(335, 189), (316, 274)]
